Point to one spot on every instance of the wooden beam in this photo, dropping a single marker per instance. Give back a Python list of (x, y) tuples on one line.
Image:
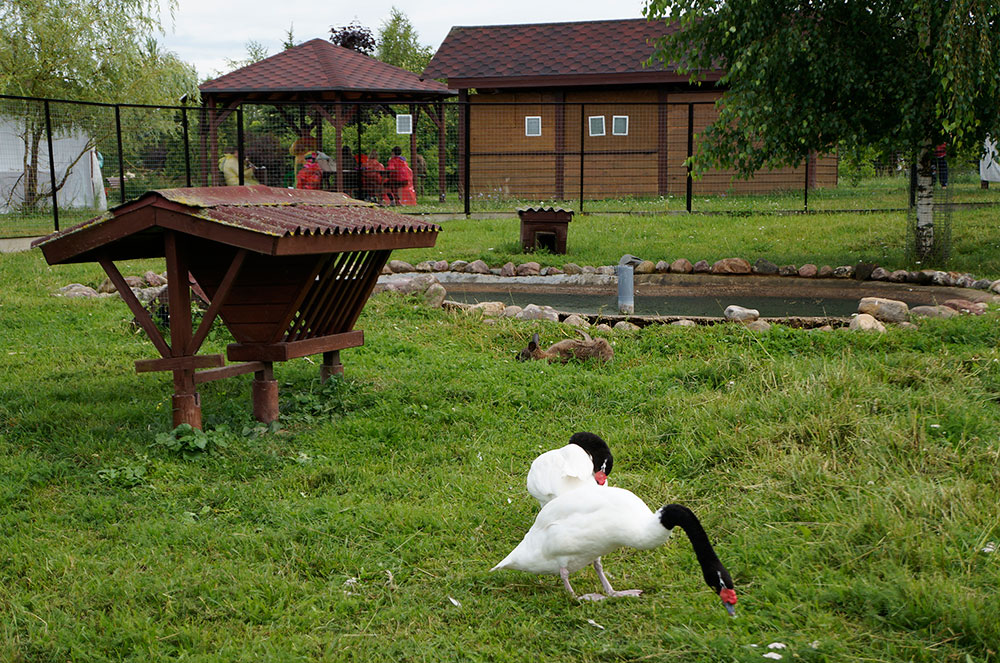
[(229, 371), (179, 363), (285, 351), (141, 314), (217, 300)]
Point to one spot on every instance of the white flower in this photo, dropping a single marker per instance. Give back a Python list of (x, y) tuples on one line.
[(990, 547), (776, 645), (774, 655)]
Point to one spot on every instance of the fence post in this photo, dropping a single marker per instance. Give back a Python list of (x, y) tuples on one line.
[(121, 156), (52, 167), (466, 170), (805, 195), (690, 153), (913, 185), (240, 150), (583, 117), (187, 146)]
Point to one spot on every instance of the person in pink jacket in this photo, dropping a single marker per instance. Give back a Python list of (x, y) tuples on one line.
[(399, 180)]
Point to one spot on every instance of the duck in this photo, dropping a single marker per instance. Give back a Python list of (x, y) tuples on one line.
[(577, 528), (585, 461)]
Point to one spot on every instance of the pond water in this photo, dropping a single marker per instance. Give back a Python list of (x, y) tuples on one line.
[(692, 295)]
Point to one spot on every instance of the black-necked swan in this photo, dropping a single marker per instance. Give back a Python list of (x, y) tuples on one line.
[(577, 528), (586, 460)]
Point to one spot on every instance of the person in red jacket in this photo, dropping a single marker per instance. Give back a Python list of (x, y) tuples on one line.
[(399, 180), (310, 176)]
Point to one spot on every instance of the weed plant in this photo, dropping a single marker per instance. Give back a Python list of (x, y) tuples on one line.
[(849, 482)]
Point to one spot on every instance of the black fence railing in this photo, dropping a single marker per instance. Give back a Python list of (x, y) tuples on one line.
[(62, 162)]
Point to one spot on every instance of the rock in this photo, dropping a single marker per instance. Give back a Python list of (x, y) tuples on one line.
[(943, 278), (512, 311), (424, 266), (572, 268), (106, 287), (508, 269), (735, 313), (529, 269), (418, 283), (924, 276), (662, 267), (824, 328), (886, 310), (629, 259), (588, 269), (153, 279), (535, 312), (76, 290), (843, 272), (623, 325), (575, 320), (863, 271), (400, 266), (684, 323), (477, 267), (899, 276), (965, 280), (765, 267), (759, 325), (788, 270), (701, 267), (550, 271), (865, 322), (607, 270), (933, 312), (981, 284), (995, 287), (966, 306), (808, 271), (434, 295), (604, 327), (645, 267), (146, 295), (825, 272), (441, 266), (385, 270), (880, 274), (681, 266), (487, 309), (731, 266)]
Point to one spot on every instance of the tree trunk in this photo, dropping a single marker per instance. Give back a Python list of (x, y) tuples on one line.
[(923, 240)]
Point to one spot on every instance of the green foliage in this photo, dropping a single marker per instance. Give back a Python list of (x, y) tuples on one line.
[(187, 440), (800, 76), (399, 44), (130, 475)]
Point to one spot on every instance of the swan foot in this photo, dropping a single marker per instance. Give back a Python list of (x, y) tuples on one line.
[(592, 597), (625, 592)]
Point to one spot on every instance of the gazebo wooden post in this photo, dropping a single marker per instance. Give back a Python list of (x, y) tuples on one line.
[(265, 394), (331, 365), (186, 402), (338, 145), (442, 150)]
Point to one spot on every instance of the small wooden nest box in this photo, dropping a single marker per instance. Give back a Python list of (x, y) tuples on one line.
[(287, 270), (544, 227)]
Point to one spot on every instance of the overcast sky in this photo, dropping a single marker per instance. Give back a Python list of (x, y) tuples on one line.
[(207, 32)]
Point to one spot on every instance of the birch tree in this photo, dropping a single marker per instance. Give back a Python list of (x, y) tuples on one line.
[(828, 75)]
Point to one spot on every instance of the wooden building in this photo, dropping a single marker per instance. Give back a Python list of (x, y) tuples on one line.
[(539, 92)]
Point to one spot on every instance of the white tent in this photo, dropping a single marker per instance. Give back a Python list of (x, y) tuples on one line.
[(989, 165), (84, 187)]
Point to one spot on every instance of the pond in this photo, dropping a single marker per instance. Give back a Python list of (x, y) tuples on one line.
[(691, 295)]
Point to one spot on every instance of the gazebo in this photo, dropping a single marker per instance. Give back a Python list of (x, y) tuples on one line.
[(330, 83), (288, 272)]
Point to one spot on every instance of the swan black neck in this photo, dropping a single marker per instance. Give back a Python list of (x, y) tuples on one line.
[(597, 448), (715, 574)]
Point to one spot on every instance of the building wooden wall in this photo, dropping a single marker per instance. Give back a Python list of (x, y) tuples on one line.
[(647, 162)]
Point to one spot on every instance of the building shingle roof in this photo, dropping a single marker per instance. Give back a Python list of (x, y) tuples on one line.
[(319, 65), (588, 48)]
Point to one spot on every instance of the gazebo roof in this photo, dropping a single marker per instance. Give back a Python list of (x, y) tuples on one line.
[(607, 52), (265, 220), (319, 68)]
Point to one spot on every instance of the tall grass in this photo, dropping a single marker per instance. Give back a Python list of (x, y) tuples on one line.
[(849, 481)]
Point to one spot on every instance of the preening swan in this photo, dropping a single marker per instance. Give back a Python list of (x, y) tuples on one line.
[(586, 460)]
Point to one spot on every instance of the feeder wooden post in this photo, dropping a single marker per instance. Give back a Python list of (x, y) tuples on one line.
[(265, 394), (186, 402), (331, 366)]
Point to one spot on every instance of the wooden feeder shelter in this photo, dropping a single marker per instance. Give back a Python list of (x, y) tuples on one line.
[(544, 228), (288, 271)]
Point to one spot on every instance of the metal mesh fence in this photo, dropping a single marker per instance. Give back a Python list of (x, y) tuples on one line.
[(439, 157)]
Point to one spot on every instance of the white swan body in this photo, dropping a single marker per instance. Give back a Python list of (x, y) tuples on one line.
[(559, 471), (572, 531)]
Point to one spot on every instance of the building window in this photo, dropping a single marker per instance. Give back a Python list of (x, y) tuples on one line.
[(533, 125), (404, 124), (596, 124), (619, 125)]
